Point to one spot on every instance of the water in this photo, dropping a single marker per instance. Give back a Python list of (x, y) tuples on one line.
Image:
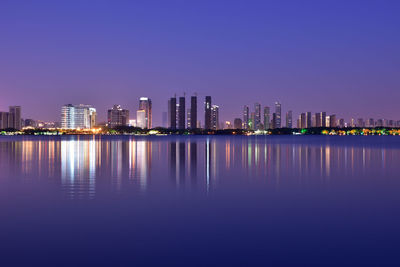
[(199, 201)]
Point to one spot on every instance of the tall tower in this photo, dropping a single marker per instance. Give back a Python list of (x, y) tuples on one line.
[(215, 117), (278, 112), (181, 113), (193, 112), (257, 116), (267, 119), (145, 104), (172, 113), (15, 117), (246, 117), (289, 119), (207, 113), (323, 119)]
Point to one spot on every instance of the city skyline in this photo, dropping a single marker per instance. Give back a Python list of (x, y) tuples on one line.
[(279, 51)]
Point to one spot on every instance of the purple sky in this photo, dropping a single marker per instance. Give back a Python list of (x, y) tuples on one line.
[(338, 56)]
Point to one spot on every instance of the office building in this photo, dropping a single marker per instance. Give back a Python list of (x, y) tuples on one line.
[(193, 112), (237, 123), (303, 121), (341, 123), (308, 120), (4, 120), (15, 121), (141, 121), (78, 116), (274, 121), (278, 113), (145, 104), (246, 117), (257, 116), (332, 121), (117, 116), (182, 113), (215, 117), (323, 119), (267, 118), (289, 119), (172, 113), (207, 113), (318, 119)]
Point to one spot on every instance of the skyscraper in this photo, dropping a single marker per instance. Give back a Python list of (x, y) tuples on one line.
[(117, 116), (4, 120), (308, 120), (172, 112), (267, 118), (78, 116), (289, 117), (257, 116), (246, 117), (278, 112), (193, 112), (181, 113), (303, 121), (323, 119), (215, 117), (207, 113), (145, 104), (318, 120), (141, 119), (15, 117), (332, 121)]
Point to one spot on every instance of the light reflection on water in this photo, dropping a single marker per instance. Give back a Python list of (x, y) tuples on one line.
[(80, 163)]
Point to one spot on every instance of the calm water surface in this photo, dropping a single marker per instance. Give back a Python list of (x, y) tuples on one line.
[(199, 201)]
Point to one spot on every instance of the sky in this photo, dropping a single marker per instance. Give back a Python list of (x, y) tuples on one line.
[(342, 57)]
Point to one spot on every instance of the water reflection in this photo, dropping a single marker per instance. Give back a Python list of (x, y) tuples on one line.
[(87, 166)]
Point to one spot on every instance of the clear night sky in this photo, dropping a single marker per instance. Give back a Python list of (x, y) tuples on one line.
[(338, 56)]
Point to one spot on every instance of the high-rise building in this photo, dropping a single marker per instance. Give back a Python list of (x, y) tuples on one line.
[(172, 112), (246, 117), (323, 119), (145, 104), (78, 116), (318, 119), (267, 118), (257, 116), (141, 119), (274, 122), (278, 112), (332, 121), (360, 122), (252, 121), (181, 113), (341, 123), (188, 120), (4, 120), (371, 123), (308, 120), (215, 117), (15, 117), (117, 116), (237, 123), (289, 119), (207, 113), (303, 120), (379, 123), (193, 112)]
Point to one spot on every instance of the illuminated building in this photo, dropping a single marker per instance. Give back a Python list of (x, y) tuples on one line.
[(267, 119), (303, 123), (246, 117), (289, 119), (4, 120), (257, 116), (214, 117), (145, 104), (278, 113), (181, 113), (237, 123), (252, 121), (207, 113), (341, 123), (274, 121), (332, 121), (360, 123), (193, 112), (323, 119), (318, 120), (132, 123), (117, 116), (141, 119), (189, 123), (228, 125), (370, 123), (78, 116)]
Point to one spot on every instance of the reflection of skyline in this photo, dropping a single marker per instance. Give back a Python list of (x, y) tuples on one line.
[(83, 166)]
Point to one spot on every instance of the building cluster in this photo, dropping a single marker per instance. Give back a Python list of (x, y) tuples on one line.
[(262, 119), (11, 119)]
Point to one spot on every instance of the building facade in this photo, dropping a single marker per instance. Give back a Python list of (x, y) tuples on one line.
[(117, 116), (78, 116)]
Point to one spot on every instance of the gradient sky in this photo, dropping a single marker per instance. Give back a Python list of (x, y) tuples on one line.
[(338, 56)]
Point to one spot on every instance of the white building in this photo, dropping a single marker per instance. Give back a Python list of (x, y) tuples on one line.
[(78, 116)]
